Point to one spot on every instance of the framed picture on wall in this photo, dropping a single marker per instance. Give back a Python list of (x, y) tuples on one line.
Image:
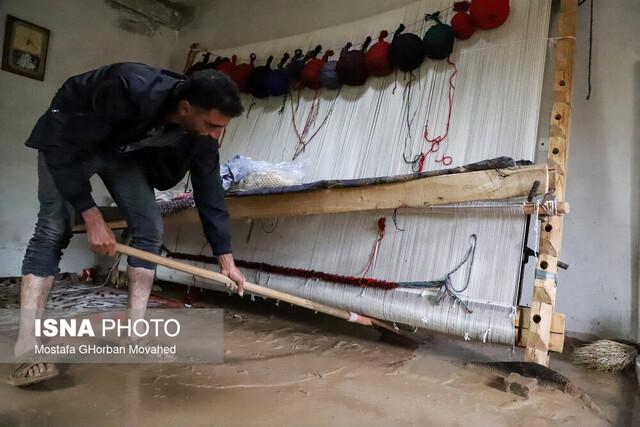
[(25, 48)]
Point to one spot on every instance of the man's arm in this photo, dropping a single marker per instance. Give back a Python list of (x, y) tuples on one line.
[(209, 197)]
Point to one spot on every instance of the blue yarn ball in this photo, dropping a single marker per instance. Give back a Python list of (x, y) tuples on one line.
[(277, 83), (329, 76)]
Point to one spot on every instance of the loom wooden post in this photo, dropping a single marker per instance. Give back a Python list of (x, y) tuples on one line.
[(544, 289), (191, 56)]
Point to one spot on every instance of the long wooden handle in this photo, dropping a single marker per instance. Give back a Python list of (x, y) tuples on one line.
[(253, 288)]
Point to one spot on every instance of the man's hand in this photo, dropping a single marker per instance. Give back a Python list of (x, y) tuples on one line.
[(229, 269), (99, 235)]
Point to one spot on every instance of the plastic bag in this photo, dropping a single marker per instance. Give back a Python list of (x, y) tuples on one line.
[(243, 174)]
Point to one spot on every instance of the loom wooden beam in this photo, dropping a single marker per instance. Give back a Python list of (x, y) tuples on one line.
[(527, 209), (437, 190), (491, 184), (522, 324), (540, 335), (546, 208)]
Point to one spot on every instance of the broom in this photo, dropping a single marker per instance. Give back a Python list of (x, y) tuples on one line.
[(606, 355)]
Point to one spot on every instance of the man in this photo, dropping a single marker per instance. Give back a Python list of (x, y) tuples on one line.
[(136, 127)]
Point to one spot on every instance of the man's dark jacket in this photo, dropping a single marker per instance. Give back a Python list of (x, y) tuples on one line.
[(116, 105)]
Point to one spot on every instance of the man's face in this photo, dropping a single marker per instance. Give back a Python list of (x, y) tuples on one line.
[(198, 121)]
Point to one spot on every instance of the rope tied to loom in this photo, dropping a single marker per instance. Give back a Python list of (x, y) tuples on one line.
[(542, 202), (446, 288)]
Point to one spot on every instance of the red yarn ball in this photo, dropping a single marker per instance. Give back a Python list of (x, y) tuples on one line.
[(377, 57), (229, 67), (488, 14), (241, 74), (461, 6), (463, 25), (310, 75)]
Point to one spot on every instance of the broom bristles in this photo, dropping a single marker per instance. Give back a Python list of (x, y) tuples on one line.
[(606, 355)]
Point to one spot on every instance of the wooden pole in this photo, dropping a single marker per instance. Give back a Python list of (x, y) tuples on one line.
[(544, 289), (253, 288), (191, 56), (545, 208)]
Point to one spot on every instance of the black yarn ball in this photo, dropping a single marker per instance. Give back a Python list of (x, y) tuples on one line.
[(406, 52)]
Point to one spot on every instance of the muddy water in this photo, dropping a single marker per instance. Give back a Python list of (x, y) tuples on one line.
[(310, 371)]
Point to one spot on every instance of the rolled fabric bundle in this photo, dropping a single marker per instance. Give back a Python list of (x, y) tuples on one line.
[(328, 75), (352, 66), (438, 40), (489, 14), (277, 82), (377, 57), (310, 76), (406, 52), (257, 86), (242, 72)]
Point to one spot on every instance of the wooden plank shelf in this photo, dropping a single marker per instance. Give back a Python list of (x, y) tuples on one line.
[(421, 193)]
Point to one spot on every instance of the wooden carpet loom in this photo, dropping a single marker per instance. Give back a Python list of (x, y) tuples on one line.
[(538, 328)]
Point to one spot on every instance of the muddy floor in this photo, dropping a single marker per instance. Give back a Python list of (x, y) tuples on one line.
[(288, 367)]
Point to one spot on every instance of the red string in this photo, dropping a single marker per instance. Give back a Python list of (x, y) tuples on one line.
[(435, 141), (421, 159), (376, 245), (292, 272), (310, 121)]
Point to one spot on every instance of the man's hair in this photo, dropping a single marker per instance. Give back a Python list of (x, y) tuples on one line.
[(210, 89)]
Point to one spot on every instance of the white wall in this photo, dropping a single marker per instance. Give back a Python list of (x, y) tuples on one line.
[(599, 293), (227, 23), (84, 35)]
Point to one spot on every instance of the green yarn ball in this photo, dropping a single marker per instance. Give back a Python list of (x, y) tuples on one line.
[(438, 41)]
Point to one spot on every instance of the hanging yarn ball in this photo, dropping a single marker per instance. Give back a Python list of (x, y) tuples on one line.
[(215, 64), (294, 67), (310, 76), (488, 14), (257, 79), (406, 52), (352, 66), (438, 40), (463, 25), (377, 57), (277, 82), (200, 64), (461, 6), (229, 67), (328, 75), (241, 74)]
